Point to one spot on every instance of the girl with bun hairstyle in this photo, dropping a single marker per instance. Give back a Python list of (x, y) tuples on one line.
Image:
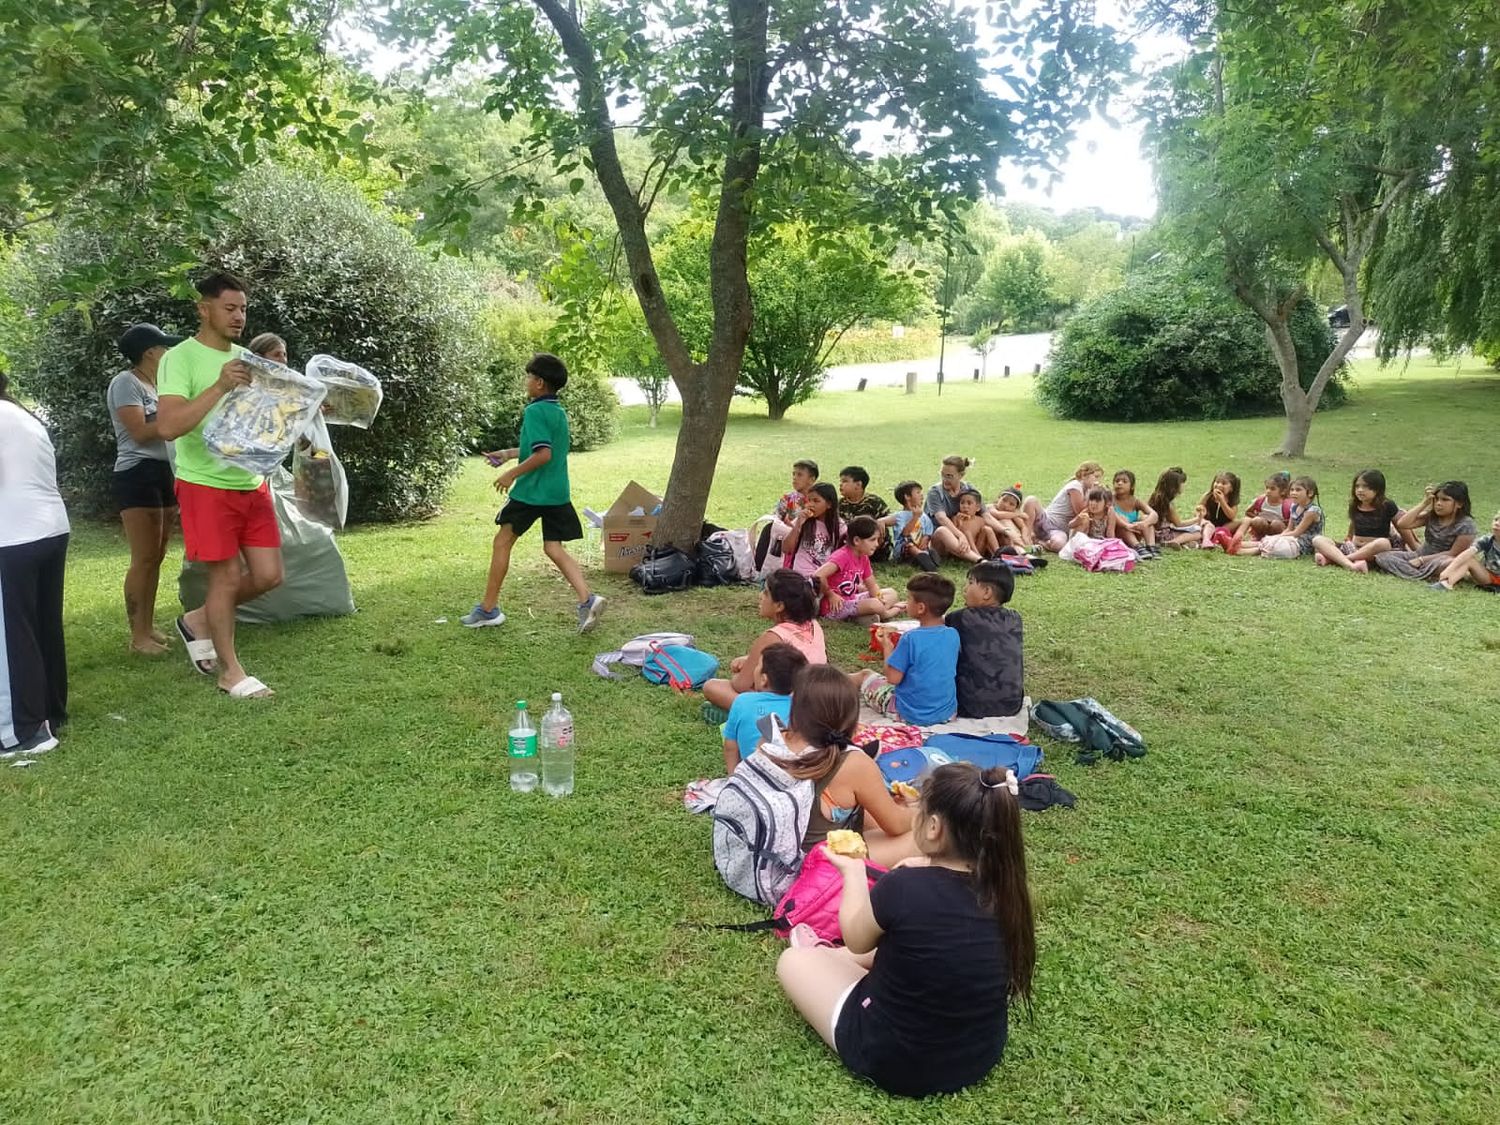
[(1051, 523)]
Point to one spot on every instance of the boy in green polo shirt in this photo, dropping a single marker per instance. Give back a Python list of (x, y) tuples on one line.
[(538, 488)]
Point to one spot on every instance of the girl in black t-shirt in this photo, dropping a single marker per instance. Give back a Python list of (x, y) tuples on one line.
[(1372, 516), (916, 1000)]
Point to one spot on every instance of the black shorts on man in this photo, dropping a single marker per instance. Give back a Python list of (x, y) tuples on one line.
[(560, 523)]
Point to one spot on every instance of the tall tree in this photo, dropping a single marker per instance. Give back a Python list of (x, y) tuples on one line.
[(1285, 140), (138, 111), (763, 108)]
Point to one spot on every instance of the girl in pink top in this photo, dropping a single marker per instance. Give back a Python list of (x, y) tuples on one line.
[(787, 601), (817, 533), (848, 584)]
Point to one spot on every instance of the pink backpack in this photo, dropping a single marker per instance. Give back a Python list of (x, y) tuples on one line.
[(1105, 554), (814, 896)]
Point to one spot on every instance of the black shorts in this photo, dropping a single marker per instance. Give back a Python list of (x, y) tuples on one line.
[(559, 521), (146, 484)]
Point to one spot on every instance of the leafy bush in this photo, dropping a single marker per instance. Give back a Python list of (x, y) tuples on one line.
[(328, 272), (514, 330), (1166, 348), (873, 343)]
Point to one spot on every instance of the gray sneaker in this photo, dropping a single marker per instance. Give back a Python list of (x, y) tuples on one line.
[(39, 743), (478, 617), (588, 613)]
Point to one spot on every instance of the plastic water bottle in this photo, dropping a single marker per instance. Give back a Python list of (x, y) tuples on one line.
[(521, 750), (557, 749)]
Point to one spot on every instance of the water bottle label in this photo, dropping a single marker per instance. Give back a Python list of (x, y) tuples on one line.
[(523, 744), (564, 736)]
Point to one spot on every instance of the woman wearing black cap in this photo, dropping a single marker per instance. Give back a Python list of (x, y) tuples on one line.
[(144, 489)]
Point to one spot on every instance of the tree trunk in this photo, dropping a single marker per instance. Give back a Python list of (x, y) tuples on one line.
[(705, 414), (776, 409), (1296, 403)]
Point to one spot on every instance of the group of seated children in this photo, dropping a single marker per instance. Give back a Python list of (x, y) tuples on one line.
[(952, 920), (963, 664)]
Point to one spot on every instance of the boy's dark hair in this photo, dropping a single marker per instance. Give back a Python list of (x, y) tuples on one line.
[(855, 473), (219, 282), (997, 577), (933, 590), (863, 527), (974, 492), (1096, 494), (781, 663), (903, 490), (807, 466), (549, 369), (794, 594)]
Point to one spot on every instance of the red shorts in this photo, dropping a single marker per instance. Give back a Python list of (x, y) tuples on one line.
[(217, 522)]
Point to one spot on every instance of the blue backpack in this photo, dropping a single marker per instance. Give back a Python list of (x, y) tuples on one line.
[(679, 666), (984, 750)]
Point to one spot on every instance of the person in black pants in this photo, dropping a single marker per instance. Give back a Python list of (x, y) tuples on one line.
[(33, 552)]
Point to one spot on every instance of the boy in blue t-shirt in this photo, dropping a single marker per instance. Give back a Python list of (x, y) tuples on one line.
[(921, 666), (779, 665), (539, 492)]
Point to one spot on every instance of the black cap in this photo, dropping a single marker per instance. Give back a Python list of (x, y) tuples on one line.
[(138, 339)]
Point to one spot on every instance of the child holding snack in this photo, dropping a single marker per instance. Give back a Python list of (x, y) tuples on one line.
[(970, 523), (921, 665), (817, 533), (1218, 511), (1132, 521), (1094, 519), (912, 528)]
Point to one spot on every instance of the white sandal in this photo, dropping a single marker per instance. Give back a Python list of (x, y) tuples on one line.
[(200, 652), (248, 688)]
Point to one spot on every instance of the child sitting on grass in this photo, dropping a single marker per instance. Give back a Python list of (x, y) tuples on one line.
[(1173, 531), (1372, 518), (921, 664), (956, 942), (1479, 563), (1266, 515), (789, 507), (1219, 511), (1304, 526), (855, 501), (1094, 520), (912, 528), (1133, 522), (978, 535), (847, 583), (817, 533), (989, 679), (779, 665), (787, 601), (1010, 519)]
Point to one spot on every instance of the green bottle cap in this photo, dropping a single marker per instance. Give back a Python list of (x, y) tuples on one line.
[(520, 705)]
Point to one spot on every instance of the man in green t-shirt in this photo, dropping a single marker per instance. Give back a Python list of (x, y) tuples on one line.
[(538, 488), (227, 514)]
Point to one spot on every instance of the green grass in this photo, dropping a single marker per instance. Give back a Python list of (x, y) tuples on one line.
[(330, 907)]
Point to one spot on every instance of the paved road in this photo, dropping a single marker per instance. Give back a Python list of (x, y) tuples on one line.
[(960, 362), (1023, 353)]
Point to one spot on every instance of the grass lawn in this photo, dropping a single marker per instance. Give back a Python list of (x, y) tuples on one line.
[(330, 906)]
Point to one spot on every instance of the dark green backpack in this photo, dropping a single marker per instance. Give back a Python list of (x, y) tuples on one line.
[(1084, 721)]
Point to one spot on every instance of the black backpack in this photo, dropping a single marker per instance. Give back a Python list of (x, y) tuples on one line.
[(716, 565), (664, 569)]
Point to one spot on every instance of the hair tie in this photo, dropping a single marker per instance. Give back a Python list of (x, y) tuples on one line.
[(1009, 783), (838, 738)]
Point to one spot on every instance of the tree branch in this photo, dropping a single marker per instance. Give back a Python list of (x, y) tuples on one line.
[(593, 108)]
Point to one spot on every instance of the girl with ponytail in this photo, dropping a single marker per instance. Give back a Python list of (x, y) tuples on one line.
[(848, 786), (955, 938)]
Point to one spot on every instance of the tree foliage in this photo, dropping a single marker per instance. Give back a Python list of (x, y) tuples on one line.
[(1168, 346), (764, 111), (805, 300), (1287, 137), (131, 110), (327, 272)]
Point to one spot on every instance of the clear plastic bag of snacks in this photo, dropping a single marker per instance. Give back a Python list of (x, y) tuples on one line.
[(354, 395), (254, 427), (318, 479)]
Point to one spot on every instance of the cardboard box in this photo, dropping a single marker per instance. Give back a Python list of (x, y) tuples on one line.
[(625, 536)]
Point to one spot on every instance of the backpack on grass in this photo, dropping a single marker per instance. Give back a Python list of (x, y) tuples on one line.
[(760, 819), (679, 666), (663, 570), (1085, 721)]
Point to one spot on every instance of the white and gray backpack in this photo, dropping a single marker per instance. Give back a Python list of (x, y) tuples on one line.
[(760, 819)]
